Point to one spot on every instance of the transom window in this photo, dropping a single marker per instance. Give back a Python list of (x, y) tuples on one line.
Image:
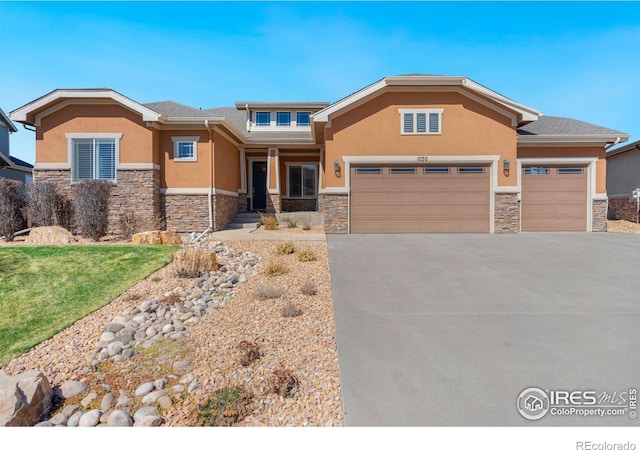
[(421, 121), (303, 119), (263, 118), (283, 119), (302, 180), (185, 148), (94, 159)]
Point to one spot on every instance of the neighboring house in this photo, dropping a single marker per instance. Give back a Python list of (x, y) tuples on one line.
[(623, 177), (414, 153), (11, 167)]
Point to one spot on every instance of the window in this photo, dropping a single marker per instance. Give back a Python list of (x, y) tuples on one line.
[(570, 170), (368, 170), (471, 169), (263, 118), (303, 118), (302, 181), (436, 169), (402, 170), (536, 171), (283, 119), (185, 148), (421, 121), (93, 158)]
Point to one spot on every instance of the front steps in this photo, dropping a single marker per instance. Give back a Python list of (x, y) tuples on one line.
[(244, 220)]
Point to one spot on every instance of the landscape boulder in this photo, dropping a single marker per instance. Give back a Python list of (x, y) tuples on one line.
[(24, 399), (49, 236), (157, 237)]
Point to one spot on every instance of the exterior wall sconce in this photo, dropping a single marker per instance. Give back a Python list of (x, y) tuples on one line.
[(336, 166), (506, 166)]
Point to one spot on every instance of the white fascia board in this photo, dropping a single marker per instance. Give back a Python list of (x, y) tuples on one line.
[(202, 121), (528, 114), (281, 105), (563, 140), (323, 115), (20, 114)]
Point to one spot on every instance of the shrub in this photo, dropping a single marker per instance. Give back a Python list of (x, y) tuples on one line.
[(250, 352), (47, 206), (286, 248), (291, 310), (306, 256), (128, 224), (192, 263), (11, 206), (276, 268), (269, 222), (268, 291), (92, 207), (283, 382), (306, 223), (308, 288), (227, 407), (292, 222)]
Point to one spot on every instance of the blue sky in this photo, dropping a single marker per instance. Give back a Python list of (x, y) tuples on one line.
[(573, 59)]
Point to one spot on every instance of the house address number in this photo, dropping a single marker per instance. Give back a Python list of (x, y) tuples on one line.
[(423, 158)]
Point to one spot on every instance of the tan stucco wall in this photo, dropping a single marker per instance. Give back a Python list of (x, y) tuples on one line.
[(373, 129), (226, 164), (572, 152), (136, 145), (185, 174)]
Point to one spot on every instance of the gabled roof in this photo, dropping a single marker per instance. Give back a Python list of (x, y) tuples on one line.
[(7, 121), (635, 145), (282, 105), (405, 82), (170, 108), (551, 129)]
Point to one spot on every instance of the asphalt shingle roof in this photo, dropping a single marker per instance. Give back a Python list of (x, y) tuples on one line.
[(172, 109), (19, 162), (551, 125)]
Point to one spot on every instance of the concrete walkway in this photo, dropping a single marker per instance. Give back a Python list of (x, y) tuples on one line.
[(250, 234)]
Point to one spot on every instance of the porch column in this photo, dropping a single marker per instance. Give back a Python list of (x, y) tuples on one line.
[(242, 192), (273, 180)]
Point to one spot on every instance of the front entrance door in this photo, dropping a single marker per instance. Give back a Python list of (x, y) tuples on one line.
[(259, 185)]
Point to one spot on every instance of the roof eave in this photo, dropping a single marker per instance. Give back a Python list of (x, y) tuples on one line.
[(627, 148), (576, 139), (204, 121), (5, 119), (278, 105)]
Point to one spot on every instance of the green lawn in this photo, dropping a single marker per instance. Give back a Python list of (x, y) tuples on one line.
[(45, 289)]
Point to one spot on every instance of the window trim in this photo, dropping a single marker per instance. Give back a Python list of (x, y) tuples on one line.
[(70, 138), (191, 139), (288, 123), (288, 165), (414, 112), (255, 119)]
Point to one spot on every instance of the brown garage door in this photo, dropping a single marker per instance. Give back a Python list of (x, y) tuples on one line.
[(420, 199), (554, 198)]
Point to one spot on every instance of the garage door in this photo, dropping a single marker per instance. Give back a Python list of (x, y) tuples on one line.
[(554, 198), (387, 199)]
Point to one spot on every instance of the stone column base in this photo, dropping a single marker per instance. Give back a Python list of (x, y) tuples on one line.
[(506, 218), (335, 211), (599, 215), (273, 203)]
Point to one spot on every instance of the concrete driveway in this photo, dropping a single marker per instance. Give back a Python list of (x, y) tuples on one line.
[(443, 329)]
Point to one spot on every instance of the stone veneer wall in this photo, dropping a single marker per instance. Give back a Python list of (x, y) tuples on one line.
[(242, 203), (624, 209), (335, 210), (185, 213), (299, 204), (136, 191), (506, 217), (224, 209), (599, 217), (273, 203)]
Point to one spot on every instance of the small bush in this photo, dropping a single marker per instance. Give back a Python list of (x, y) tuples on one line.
[(249, 352), (47, 206), (92, 207), (268, 291), (11, 205), (291, 310), (283, 382), (306, 256), (286, 248), (192, 263), (227, 407), (269, 222), (128, 224), (292, 222), (309, 288), (306, 224), (276, 268)]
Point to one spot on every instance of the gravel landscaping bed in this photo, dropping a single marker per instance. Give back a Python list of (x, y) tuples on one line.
[(622, 226), (188, 345)]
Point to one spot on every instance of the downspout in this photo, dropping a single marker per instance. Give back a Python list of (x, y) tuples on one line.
[(616, 142), (210, 193)]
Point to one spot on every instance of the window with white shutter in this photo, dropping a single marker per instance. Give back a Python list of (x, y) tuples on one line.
[(421, 121)]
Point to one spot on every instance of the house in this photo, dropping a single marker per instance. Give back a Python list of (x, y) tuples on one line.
[(623, 178), (533, 403), (10, 166), (412, 153)]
